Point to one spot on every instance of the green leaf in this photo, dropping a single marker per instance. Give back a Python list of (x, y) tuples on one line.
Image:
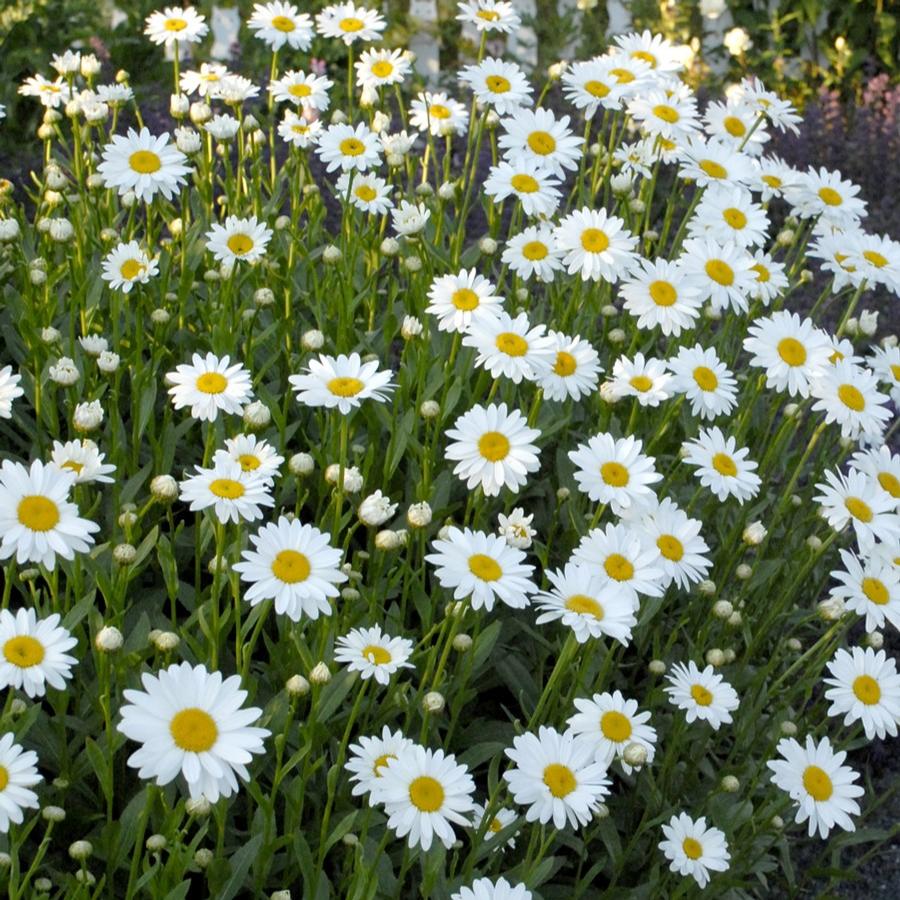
[(239, 864)]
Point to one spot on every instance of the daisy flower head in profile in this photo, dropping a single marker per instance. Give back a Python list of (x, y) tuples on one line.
[(612, 723), (586, 603), (818, 782), (693, 848), (342, 382), (204, 81), (209, 385), (528, 181), (771, 278), (516, 529), (192, 722), (736, 124), (176, 24), (498, 84), (656, 51), (38, 522), (661, 295), (711, 163), (781, 113), (279, 24), (127, 265), (721, 466), (18, 775), (702, 695), (302, 89), (682, 549), (84, 459), (556, 777), (373, 653), (438, 113), (885, 363), (539, 136), (827, 197), (486, 889), (595, 244), (615, 471), (704, 380), (33, 652), (424, 793), (671, 116), (10, 390), (347, 148), (590, 85), (511, 348), (865, 687), (532, 253), (856, 499), (493, 447), (458, 300), (253, 454), (367, 759), (882, 466), (870, 587), (773, 177), (50, 93), (849, 397), (350, 23), (238, 239), (489, 15), (644, 379), (298, 130), (484, 567), (502, 818), (574, 373), (294, 565), (233, 494), (723, 273), (144, 164), (793, 351)]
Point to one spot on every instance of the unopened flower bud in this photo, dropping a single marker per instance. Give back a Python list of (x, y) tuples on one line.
[(198, 808), (730, 784), (301, 464), (788, 728), (430, 409), (656, 667), (635, 755), (320, 674), (297, 686), (754, 534), (108, 639), (124, 554), (462, 643), (156, 843), (433, 702), (312, 339), (715, 657), (204, 856)]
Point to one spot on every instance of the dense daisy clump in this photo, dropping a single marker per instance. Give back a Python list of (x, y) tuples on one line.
[(483, 487)]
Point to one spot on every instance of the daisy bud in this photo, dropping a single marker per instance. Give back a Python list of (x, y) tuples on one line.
[(608, 393), (656, 667), (462, 643), (389, 540), (257, 415), (127, 519), (46, 132), (796, 499), (88, 416), (280, 895), (730, 784), (491, 120), (282, 222), (338, 117), (814, 543), (754, 534), (601, 812), (390, 247), (875, 640), (722, 609), (179, 105), (488, 246), (109, 638), (621, 184), (80, 849), (424, 190), (311, 190), (166, 641), (82, 876), (715, 657), (595, 149), (331, 255), (777, 822), (734, 620), (350, 594), (412, 264), (711, 313), (419, 515), (6, 862), (706, 588), (743, 572), (29, 574), (651, 235), (297, 686), (160, 316), (729, 653), (301, 464), (794, 644), (90, 65), (608, 311), (617, 336), (785, 237), (394, 160), (868, 322), (53, 198), (380, 122), (410, 328), (350, 839), (203, 857), (156, 843), (264, 297), (164, 489), (889, 341), (521, 296), (430, 409), (447, 191), (18, 706), (433, 702), (108, 362), (353, 480), (128, 199), (320, 674), (37, 277), (61, 230), (122, 76), (56, 179), (635, 755), (200, 112), (312, 339), (788, 728), (444, 532), (637, 206), (53, 814), (831, 609), (94, 181)]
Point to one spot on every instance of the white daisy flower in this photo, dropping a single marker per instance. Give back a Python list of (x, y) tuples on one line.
[(191, 722), (233, 494), (342, 382), (176, 25), (127, 265), (534, 186), (516, 528), (865, 687), (722, 272), (485, 889), (532, 253), (37, 520), (483, 567), (501, 819), (729, 214), (51, 93), (293, 564), (511, 347), (33, 652), (458, 300), (694, 849), (556, 777), (882, 466), (423, 791), (83, 457), (819, 784), (661, 295), (409, 219), (591, 85), (702, 695), (736, 124), (540, 137), (653, 49), (438, 113), (870, 587), (307, 90), (279, 23), (778, 111), (349, 149), (773, 177), (298, 130), (10, 389), (595, 244), (368, 758), (827, 197), (575, 372), (849, 397), (704, 380), (660, 113), (18, 774), (885, 363), (366, 191), (721, 467), (622, 560), (771, 280), (238, 239), (373, 654), (253, 454), (682, 550), (350, 23), (588, 604), (498, 84), (144, 164), (713, 162), (858, 500), (222, 128), (644, 379), (379, 68), (203, 81), (209, 386)]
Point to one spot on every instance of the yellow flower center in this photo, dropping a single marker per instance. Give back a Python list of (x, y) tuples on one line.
[(867, 690), (144, 162), (724, 465), (73, 466), (874, 257), (495, 826), (485, 567), (792, 351), (381, 762), (584, 606), (618, 568), (283, 23), (734, 126), (352, 147), (291, 567), (465, 299), (614, 474), (131, 268), (426, 794), (895, 371), (175, 24), (712, 168), (487, 15), (851, 397), (351, 24), (889, 483), (300, 90), (249, 462), (693, 849), (700, 695), (511, 344), (560, 780), (762, 273), (670, 547), (375, 654), (596, 88), (493, 446), (366, 193), (622, 76), (666, 113), (438, 111), (524, 184), (497, 84), (734, 218), (38, 513), (720, 272), (211, 383), (193, 730), (594, 240), (773, 181), (300, 129), (859, 509), (615, 726), (382, 68), (240, 244), (226, 488), (641, 383), (876, 591), (830, 196), (24, 651), (541, 142), (565, 364), (705, 378), (345, 386), (662, 293), (534, 250), (4, 778), (817, 783)]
